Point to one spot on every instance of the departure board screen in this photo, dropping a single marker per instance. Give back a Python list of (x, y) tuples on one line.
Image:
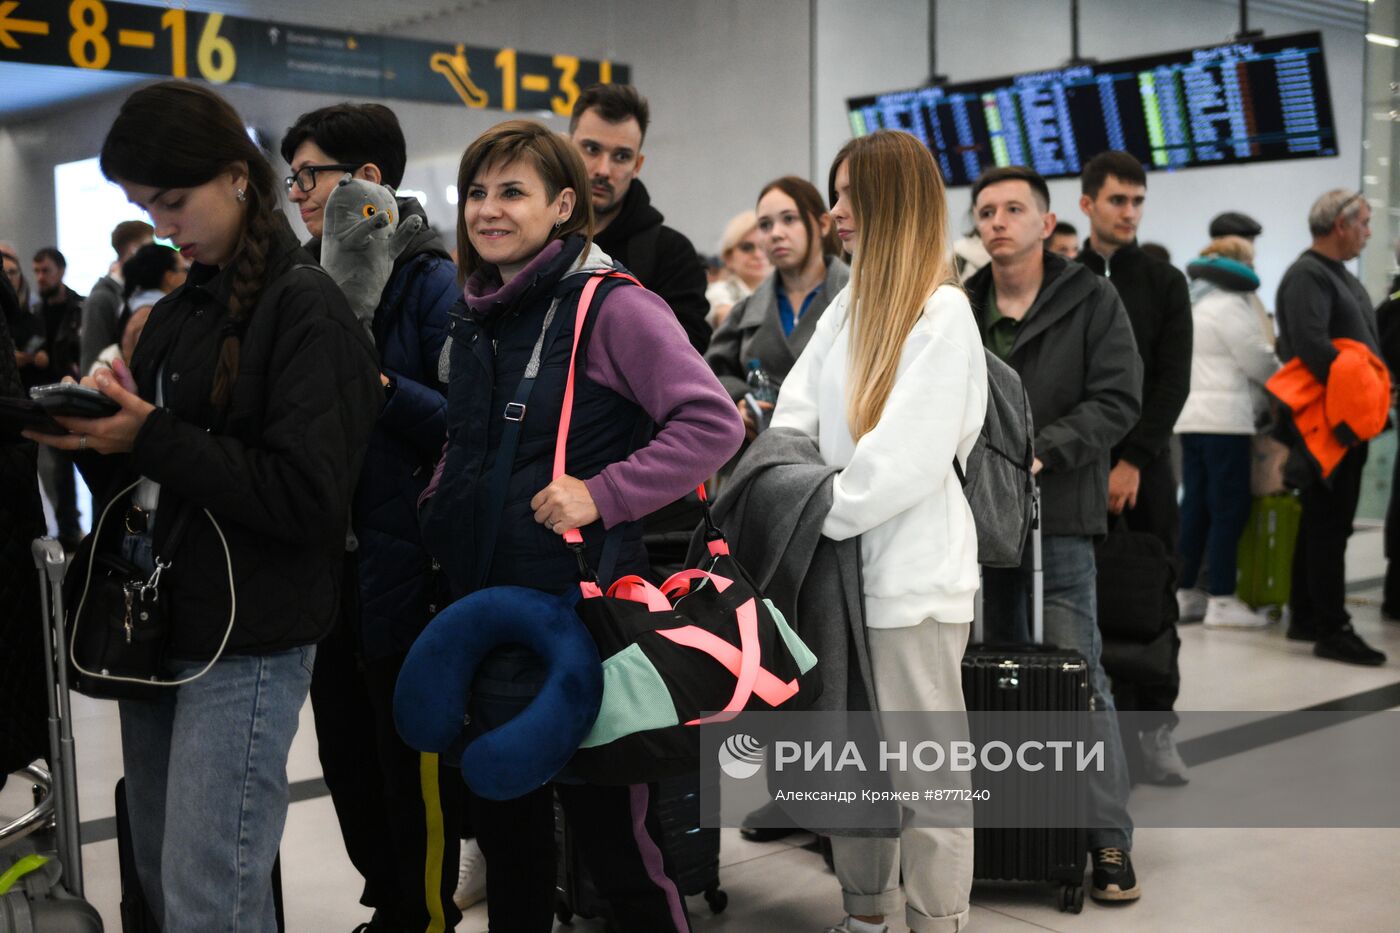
[(1248, 101)]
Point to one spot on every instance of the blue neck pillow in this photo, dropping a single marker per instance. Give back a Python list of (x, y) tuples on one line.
[(501, 639)]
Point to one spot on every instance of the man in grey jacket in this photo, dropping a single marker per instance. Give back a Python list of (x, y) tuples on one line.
[(1065, 331), (102, 311)]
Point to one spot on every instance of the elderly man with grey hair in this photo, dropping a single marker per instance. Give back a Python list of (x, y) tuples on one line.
[(1320, 301)]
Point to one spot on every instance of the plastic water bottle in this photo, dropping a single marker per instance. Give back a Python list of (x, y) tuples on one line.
[(761, 389), (760, 385)]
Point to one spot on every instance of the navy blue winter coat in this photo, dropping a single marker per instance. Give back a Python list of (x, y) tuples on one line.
[(397, 578)]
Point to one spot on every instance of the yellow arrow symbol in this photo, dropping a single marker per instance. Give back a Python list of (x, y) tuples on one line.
[(32, 26)]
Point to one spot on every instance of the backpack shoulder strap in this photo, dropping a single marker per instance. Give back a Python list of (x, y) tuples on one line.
[(585, 301)]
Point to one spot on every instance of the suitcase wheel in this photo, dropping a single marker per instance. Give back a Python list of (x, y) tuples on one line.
[(716, 898), (1072, 898)]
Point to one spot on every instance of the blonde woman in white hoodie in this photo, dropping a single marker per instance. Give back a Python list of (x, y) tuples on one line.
[(893, 386)]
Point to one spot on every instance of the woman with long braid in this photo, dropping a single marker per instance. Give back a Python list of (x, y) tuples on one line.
[(243, 420)]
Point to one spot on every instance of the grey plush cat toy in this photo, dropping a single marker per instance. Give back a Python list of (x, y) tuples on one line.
[(362, 237)]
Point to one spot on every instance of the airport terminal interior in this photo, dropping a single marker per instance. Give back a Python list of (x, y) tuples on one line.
[(1277, 809)]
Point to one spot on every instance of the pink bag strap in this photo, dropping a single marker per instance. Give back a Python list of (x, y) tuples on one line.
[(572, 536), (566, 414), (743, 662), (638, 590), (682, 581)]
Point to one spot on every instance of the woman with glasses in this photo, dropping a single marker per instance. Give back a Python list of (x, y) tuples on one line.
[(745, 267), (244, 417), (774, 324)]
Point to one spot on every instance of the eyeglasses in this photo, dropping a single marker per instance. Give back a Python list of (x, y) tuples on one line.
[(305, 177)]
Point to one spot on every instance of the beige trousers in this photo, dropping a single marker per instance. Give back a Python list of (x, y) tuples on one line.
[(915, 668)]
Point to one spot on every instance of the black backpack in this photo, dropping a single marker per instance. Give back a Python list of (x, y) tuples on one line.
[(998, 481)]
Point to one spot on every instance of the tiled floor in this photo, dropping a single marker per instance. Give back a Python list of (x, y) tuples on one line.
[(1193, 879)]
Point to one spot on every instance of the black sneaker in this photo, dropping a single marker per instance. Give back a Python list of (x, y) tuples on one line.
[(1114, 879), (1346, 646)]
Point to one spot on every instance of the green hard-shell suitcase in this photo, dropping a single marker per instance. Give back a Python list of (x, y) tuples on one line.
[(1266, 551)]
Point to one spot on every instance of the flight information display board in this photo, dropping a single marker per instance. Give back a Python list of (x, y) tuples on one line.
[(1250, 101)]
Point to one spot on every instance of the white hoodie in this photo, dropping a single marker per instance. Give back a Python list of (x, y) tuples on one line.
[(897, 488)]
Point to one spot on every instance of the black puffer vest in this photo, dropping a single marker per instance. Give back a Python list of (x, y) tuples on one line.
[(489, 354)]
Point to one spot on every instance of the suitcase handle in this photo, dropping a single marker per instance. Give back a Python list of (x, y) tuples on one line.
[(51, 563)]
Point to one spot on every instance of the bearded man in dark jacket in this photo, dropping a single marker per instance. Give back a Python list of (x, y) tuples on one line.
[(608, 126)]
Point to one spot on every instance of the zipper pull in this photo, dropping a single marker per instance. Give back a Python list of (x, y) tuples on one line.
[(128, 595)]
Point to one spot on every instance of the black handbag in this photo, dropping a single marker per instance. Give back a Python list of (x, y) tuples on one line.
[(1136, 585), (120, 624)]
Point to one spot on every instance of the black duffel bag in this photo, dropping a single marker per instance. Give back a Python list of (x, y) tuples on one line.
[(1136, 585)]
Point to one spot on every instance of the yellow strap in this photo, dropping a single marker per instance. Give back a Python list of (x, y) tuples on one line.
[(432, 816)]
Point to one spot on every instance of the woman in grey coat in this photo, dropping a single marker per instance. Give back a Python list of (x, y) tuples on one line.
[(774, 324)]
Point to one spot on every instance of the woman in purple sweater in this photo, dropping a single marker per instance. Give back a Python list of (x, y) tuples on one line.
[(650, 421)]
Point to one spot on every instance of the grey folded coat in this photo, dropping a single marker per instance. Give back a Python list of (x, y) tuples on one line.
[(771, 509)]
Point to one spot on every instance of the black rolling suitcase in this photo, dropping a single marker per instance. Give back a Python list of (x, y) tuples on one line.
[(1030, 678), (691, 851), (41, 864)]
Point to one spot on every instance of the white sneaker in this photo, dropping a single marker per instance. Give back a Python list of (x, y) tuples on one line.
[(1229, 612), (852, 925), (1161, 760), (471, 876), (1191, 605)]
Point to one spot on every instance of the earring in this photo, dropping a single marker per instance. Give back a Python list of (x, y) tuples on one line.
[(558, 224), (240, 194)]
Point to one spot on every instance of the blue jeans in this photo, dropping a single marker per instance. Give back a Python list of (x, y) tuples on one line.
[(206, 785), (1071, 621), (1215, 504)]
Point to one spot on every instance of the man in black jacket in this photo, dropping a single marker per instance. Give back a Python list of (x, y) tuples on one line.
[(609, 125), (1319, 301), (1142, 484), (60, 315), (1050, 320), (1158, 301)]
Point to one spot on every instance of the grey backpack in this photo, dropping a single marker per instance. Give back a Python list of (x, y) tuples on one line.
[(997, 481)]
